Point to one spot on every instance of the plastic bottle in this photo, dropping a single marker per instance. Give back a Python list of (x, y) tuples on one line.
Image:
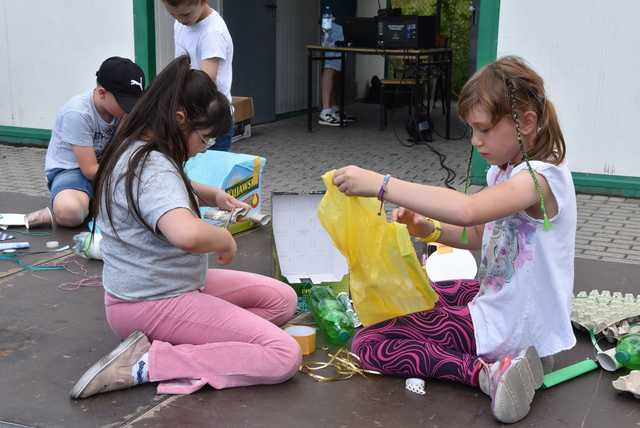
[(628, 351), (88, 246), (329, 314), (345, 301), (327, 22)]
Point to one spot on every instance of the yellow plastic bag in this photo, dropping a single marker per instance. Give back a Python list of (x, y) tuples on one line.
[(386, 279)]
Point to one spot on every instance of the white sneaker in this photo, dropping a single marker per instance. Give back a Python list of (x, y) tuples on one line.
[(329, 119), (548, 363), (511, 383), (345, 117), (113, 371)]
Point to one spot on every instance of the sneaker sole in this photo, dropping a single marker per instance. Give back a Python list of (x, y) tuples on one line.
[(513, 397), (325, 123), (535, 365), (95, 369), (348, 119)]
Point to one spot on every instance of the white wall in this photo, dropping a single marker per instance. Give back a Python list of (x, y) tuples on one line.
[(51, 50), (368, 65), (587, 52), (165, 49)]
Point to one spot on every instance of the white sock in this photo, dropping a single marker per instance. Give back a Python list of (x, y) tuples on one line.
[(326, 111), (140, 370)]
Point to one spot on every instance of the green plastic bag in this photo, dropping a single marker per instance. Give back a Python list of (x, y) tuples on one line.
[(386, 278)]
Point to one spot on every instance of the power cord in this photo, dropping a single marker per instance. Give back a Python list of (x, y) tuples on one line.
[(466, 133), (410, 142)]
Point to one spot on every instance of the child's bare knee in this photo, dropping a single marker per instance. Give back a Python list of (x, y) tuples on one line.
[(70, 213)]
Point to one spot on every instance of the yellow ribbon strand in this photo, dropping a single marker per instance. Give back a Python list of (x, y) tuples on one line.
[(346, 364)]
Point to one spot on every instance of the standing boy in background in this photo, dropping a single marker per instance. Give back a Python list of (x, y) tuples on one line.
[(83, 128), (332, 36), (201, 33)]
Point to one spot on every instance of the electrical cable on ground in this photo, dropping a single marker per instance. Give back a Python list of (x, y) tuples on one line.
[(450, 173)]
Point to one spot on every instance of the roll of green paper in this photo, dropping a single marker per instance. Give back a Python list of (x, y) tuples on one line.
[(569, 372)]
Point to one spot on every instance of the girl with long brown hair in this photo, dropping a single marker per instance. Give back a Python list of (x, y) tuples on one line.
[(185, 325)]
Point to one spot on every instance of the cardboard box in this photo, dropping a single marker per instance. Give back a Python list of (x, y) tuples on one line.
[(243, 109), (242, 115), (303, 252), (239, 174)]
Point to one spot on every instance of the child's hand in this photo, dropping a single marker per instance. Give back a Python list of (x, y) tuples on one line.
[(225, 257), (354, 181), (227, 202), (417, 225)]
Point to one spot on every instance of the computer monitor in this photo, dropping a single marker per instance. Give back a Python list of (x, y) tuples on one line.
[(360, 32)]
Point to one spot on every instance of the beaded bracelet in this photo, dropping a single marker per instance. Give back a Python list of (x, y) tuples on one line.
[(381, 192)]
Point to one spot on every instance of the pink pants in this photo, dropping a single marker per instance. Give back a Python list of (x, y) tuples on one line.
[(225, 335)]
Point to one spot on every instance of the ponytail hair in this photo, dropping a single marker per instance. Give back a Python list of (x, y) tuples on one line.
[(549, 142), (508, 84), (153, 121)]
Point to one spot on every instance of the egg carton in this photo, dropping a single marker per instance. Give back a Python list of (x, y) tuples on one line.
[(612, 314), (629, 383)]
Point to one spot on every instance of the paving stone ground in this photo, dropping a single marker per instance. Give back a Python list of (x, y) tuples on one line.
[(608, 227)]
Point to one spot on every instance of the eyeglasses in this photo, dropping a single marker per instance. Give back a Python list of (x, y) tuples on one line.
[(206, 142)]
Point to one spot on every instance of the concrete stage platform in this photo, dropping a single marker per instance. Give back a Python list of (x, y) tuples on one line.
[(50, 335)]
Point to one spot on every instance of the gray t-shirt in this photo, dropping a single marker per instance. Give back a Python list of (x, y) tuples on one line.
[(78, 123), (143, 265)]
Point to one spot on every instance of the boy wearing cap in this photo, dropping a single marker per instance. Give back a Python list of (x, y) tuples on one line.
[(83, 127)]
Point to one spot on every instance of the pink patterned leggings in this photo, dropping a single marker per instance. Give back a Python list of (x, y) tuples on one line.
[(437, 344)]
